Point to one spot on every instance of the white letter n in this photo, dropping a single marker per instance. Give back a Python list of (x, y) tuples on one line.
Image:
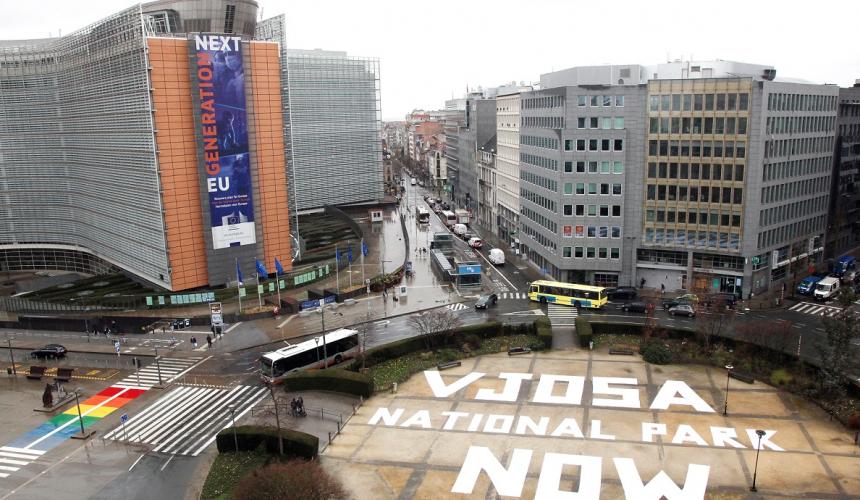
[(508, 482)]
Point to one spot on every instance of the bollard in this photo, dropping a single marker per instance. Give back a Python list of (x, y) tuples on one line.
[(393, 387), (321, 414), (338, 427), (329, 437)]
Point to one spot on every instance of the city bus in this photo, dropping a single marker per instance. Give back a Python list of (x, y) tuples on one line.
[(340, 345), (568, 294), (448, 217), (422, 215)]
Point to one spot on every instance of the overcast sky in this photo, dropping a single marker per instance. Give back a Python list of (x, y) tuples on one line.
[(430, 51)]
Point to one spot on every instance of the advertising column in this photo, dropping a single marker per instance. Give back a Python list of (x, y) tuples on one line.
[(223, 132)]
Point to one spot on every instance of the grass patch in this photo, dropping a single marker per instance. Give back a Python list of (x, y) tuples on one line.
[(400, 369), (228, 469)]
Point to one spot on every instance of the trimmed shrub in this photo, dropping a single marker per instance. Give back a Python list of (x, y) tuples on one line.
[(656, 353), (296, 479), (544, 331), (473, 340), (250, 437), (780, 377), (583, 331), (335, 380)]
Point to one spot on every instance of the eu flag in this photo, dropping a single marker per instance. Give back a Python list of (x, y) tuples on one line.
[(337, 254), (364, 250), (239, 274), (349, 253), (278, 267), (261, 269)]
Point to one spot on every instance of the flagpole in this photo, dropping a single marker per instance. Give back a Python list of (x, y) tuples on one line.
[(278, 286), (349, 260), (363, 280), (337, 268), (259, 295), (238, 286)]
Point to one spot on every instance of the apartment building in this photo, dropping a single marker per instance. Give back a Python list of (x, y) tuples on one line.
[(843, 228)]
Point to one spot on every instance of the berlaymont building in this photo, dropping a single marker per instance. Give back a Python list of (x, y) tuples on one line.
[(158, 141)]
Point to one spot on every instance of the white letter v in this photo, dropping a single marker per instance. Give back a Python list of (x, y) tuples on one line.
[(441, 390)]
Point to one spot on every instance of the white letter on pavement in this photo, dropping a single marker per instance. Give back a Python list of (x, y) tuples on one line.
[(508, 482), (509, 393), (441, 390), (552, 469), (662, 485), (629, 397), (650, 429), (572, 394), (386, 416), (667, 396)]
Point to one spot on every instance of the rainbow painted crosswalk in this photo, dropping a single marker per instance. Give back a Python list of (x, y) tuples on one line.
[(63, 426)]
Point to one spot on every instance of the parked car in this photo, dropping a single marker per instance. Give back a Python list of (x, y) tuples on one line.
[(807, 286), (476, 242), (486, 300), (437, 208), (683, 310), (637, 307), (50, 351), (179, 324), (621, 293), (721, 298)]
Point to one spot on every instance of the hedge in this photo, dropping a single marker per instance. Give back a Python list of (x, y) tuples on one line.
[(543, 328), (250, 437), (583, 331), (332, 379)]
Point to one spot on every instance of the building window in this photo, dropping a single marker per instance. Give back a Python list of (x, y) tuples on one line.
[(604, 144), (604, 210), (580, 122), (604, 167), (592, 188), (582, 100), (589, 252), (592, 167), (566, 252), (615, 253), (580, 167), (568, 167), (594, 122), (568, 144), (568, 210), (619, 122), (607, 100), (580, 210), (577, 252), (616, 231), (580, 144), (618, 145), (607, 123), (601, 253), (616, 210), (617, 167), (568, 188), (743, 102), (616, 189), (619, 100), (595, 101), (592, 210), (580, 188)]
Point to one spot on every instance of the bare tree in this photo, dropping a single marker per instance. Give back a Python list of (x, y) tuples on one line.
[(836, 348), (434, 325), (713, 322)]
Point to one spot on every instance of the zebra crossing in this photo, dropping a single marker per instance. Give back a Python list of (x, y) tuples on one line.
[(170, 369), (815, 309), (513, 295), (561, 315), (12, 459), (186, 420)]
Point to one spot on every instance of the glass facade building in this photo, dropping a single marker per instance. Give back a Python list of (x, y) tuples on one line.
[(336, 129)]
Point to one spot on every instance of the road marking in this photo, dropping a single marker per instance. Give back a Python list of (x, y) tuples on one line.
[(283, 323), (168, 461), (457, 306), (232, 327), (74, 420), (135, 462)]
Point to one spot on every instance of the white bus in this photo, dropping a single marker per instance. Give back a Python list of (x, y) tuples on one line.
[(449, 218), (423, 215), (340, 345)]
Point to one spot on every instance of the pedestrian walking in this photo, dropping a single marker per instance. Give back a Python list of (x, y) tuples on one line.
[(662, 288), (194, 342), (209, 341)]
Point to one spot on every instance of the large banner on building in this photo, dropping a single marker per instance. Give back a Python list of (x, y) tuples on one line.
[(223, 130)]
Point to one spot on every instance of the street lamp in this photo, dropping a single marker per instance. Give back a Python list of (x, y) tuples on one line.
[(322, 319), (232, 409), (317, 342), (729, 368), (83, 434), (11, 356), (760, 433), (158, 366)]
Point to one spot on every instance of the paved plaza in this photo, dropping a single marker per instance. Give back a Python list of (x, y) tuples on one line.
[(606, 426)]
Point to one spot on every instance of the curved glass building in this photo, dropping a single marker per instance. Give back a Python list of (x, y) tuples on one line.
[(103, 153)]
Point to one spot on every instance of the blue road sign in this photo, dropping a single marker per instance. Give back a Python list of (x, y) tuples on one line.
[(123, 418)]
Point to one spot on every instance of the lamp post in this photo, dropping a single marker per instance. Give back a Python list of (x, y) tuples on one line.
[(728, 376), (760, 433), (84, 434), (158, 366), (322, 319), (317, 342), (232, 409), (11, 356)]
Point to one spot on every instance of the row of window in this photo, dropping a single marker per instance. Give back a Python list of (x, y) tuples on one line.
[(799, 124), (551, 101), (600, 100), (780, 234), (806, 145), (539, 142), (592, 210), (656, 256), (539, 161), (540, 239), (698, 149), (537, 199), (594, 144), (788, 190), (800, 102), (795, 168), (546, 222), (685, 238), (591, 231), (591, 253), (605, 188), (695, 171), (683, 217), (539, 181), (775, 215), (703, 194), (556, 122), (605, 123), (594, 167), (705, 125), (698, 102)]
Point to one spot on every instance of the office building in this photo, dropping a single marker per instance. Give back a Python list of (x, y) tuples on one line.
[(141, 144), (508, 167), (843, 228), (336, 126)]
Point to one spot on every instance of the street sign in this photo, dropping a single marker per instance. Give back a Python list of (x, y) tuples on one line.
[(215, 314), (116, 347), (123, 418)]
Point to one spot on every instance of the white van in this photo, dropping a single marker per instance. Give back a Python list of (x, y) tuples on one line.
[(826, 288), (497, 256), (460, 229)]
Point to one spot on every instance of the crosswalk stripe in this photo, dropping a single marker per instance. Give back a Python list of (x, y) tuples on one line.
[(182, 419), (170, 369), (10, 469), (261, 394), (12, 462), (17, 455), (27, 451), (3, 475)]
